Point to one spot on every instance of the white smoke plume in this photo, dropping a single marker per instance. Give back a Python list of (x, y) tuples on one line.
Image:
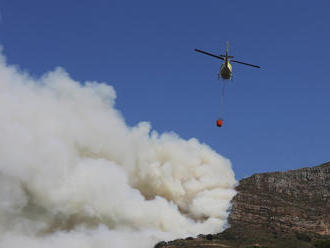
[(74, 175)]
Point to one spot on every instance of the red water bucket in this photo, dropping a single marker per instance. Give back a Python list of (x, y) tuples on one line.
[(219, 123)]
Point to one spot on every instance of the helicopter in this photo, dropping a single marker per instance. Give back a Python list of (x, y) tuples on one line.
[(226, 71)]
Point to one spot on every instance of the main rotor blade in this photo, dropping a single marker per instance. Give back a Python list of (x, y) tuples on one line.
[(210, 54), (230, 57), (245, 63)]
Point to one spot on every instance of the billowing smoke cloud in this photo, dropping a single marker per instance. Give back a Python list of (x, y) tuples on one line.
[(74, 175)]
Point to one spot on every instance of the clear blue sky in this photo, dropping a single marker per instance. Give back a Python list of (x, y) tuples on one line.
[(275, 118)]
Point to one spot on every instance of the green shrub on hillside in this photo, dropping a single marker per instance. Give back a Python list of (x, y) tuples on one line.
[(322, 243), (303, 237), (254, 246)]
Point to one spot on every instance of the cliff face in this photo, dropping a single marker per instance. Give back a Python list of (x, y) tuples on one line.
[(297, 200), (277, 209)]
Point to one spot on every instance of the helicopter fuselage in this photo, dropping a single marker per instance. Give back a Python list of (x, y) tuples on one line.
[(226, 70)]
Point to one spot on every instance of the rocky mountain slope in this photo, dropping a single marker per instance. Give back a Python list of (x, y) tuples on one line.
[(297, 200), (277, 209)]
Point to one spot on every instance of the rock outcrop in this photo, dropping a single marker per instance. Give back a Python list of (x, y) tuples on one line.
[(297, 200), (276, 209)]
